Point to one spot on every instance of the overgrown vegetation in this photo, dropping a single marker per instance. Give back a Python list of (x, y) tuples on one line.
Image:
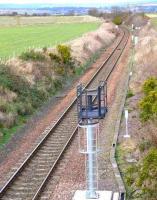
[(32, 55), (129, 94), (148, 104), (62, 61), (117, 20), (20, 99), (140, 174), (142, 178)]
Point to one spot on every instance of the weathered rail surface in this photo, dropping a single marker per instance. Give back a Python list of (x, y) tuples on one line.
[(29, 180)]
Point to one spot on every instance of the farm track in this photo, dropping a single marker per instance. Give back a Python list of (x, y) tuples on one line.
[(31, 178)]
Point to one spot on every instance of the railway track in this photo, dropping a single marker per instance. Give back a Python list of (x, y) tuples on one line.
[(30, 179)]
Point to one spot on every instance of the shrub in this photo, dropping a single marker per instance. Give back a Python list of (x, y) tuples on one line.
[(24, 108), (44, 49), (147, 175), (13, 82), (10, 120), (57, 84), (32, 55), (65, 53), (142, 178), (129, 94), (117, 20), (55, 57), (144, 145), (10, 108), (60, 70), (149, 85), (64, 64), (148, 106)]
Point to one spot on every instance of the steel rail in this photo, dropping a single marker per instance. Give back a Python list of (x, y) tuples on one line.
[(70, 139), (10, 181)]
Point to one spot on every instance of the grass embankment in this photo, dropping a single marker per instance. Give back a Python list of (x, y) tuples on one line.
[(16, 39), (137, 155), (21, 98)]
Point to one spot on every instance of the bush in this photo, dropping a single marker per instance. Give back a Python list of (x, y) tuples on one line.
[(59, 70), (64, 64), (32, 55), (148, 104), (24, 108), (55, 57), (57, 84), (117, 20), (44, 49), (149, 85), (142, 178), (129, 94), (147, 179), (65, 53), (144, 145)]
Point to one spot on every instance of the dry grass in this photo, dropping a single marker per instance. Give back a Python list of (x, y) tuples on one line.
[(25, 21), (145, 66), (85, 46), (151, 129), (145, 58), (32, 71), (7, 95)]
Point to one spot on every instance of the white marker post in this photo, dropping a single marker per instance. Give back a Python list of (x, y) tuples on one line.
[(132, 26), (126, 124), (133, 39), (130, 74), (136, 40)]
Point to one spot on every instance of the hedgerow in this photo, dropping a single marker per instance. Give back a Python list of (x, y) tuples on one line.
[(117, 20)]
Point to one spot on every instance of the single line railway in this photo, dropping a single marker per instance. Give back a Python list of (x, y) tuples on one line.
[(30, 179)]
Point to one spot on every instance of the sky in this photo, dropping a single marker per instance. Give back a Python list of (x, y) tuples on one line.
[(72, 1)]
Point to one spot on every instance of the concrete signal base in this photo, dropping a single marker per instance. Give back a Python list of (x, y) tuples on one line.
[(102, 195)]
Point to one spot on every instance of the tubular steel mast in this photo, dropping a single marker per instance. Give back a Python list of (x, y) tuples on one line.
[(91, 106)]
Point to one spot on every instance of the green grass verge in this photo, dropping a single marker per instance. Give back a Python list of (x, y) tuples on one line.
[(9, 132)]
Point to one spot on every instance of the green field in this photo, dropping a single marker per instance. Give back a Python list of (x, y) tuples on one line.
[(41, 32), (154, 21), (151, 15)]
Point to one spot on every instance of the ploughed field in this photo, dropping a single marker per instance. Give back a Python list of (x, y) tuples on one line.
[(17, 34)]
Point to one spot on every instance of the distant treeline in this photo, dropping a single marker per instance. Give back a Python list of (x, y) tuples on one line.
[(24, 14)]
